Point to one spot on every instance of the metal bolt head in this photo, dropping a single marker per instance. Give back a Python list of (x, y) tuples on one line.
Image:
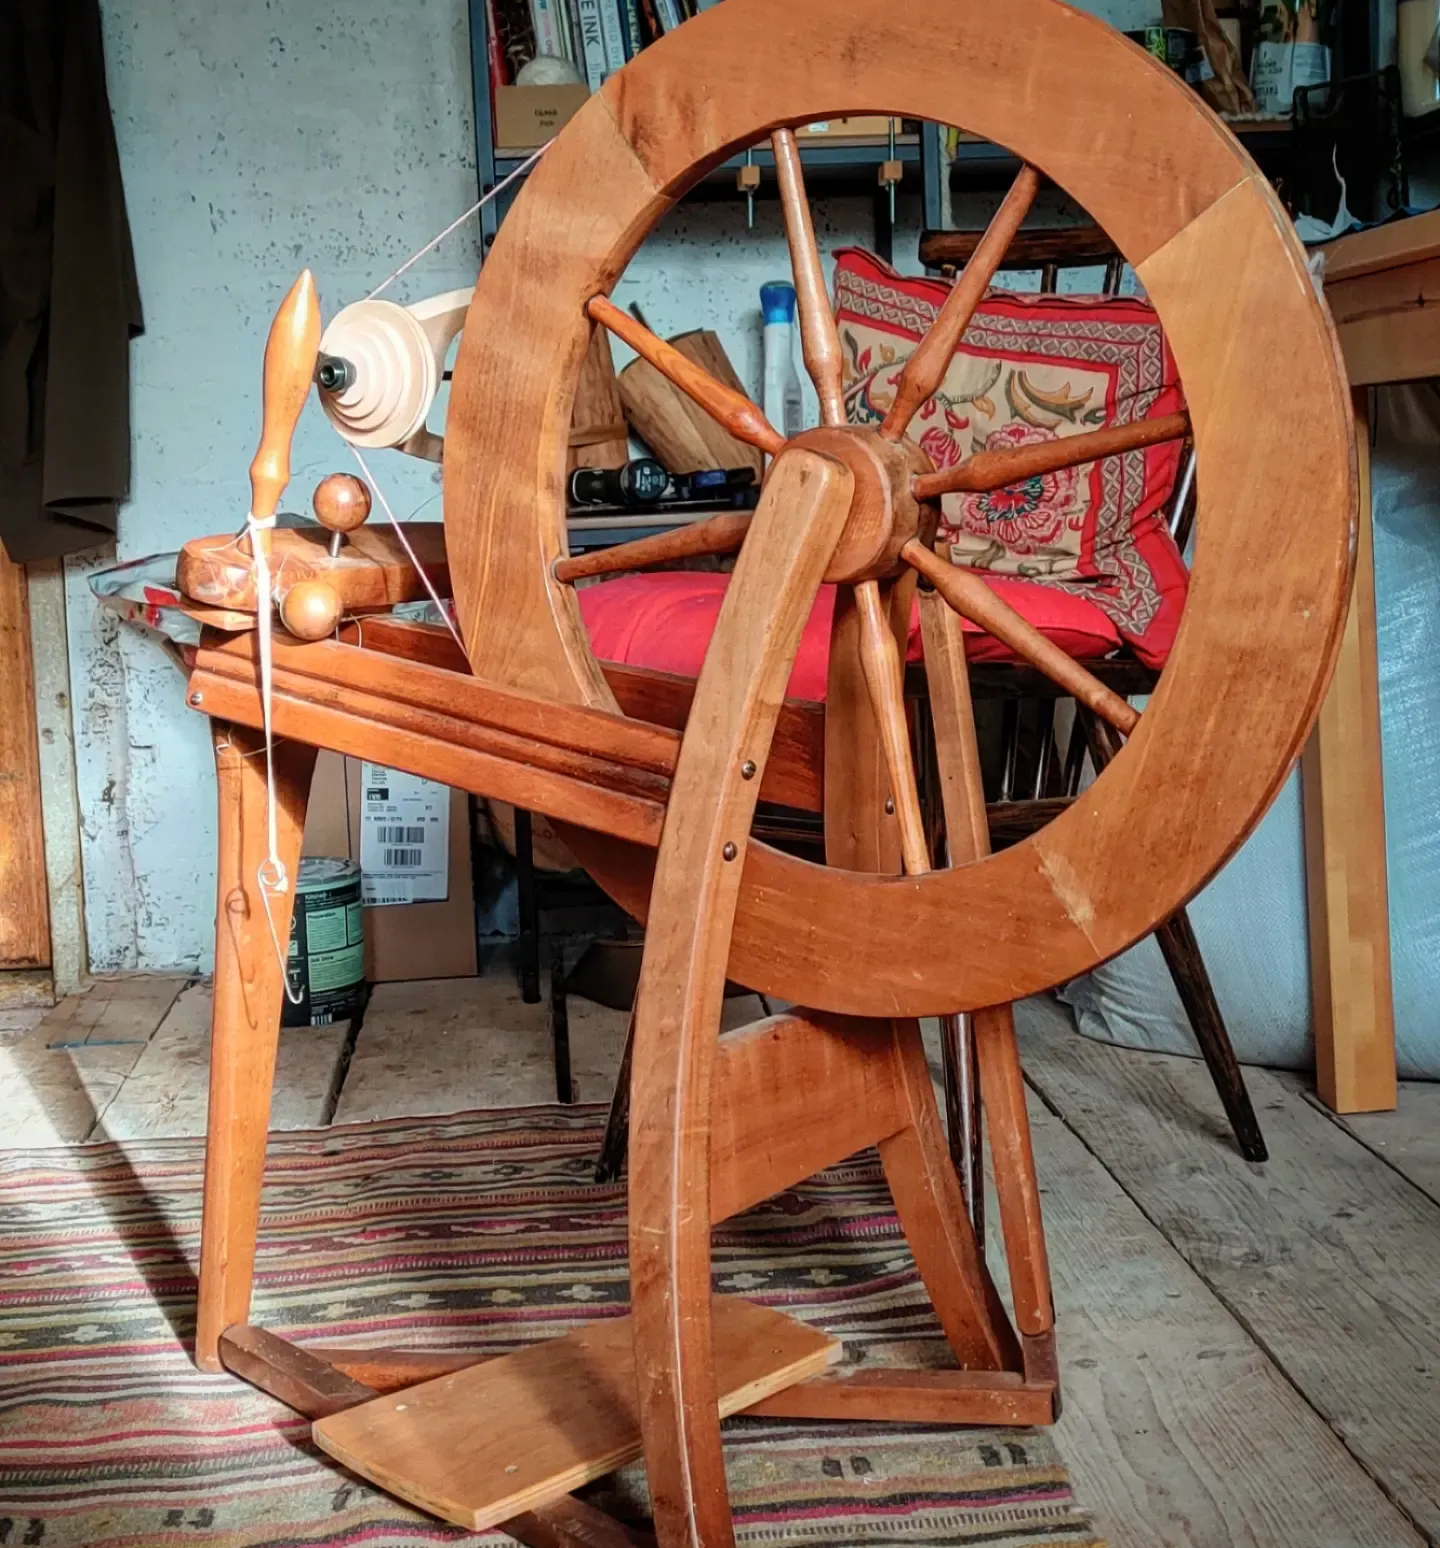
[(747, 769), (889, 806), (730, 851), (195, 698)]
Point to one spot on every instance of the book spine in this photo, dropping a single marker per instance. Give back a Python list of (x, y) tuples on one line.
[(592, 42), (612, 28), (634, 29), (547, 33), (670, 17), (494, 50), (570, 9)]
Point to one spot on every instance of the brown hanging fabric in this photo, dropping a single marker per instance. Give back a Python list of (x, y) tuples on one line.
[(69, 304)]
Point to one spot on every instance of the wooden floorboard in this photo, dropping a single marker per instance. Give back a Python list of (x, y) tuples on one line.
[(1407, 1139), (448, 1045), (62, 1075), (166, 1093), (1177, 1429), (457, 1044), (1326, 1254)]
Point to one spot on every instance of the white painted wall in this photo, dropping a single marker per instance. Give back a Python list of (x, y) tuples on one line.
[(256, 139)]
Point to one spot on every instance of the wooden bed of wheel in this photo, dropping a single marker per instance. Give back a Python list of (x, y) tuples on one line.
[(654, 781)]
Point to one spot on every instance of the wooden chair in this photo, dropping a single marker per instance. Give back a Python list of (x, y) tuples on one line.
[(1030, 757), (656, 784)]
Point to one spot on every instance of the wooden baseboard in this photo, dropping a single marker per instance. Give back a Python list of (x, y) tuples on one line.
[(24, 900)]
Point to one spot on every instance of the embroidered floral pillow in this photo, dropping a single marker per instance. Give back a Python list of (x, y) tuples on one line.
[(1034, 368)]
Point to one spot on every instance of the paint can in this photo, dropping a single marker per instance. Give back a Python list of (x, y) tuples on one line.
[(326, 961)]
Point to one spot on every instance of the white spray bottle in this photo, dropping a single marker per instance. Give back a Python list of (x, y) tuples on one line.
[(781, 399)]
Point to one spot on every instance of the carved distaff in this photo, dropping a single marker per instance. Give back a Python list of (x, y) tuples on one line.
[(290, 354)]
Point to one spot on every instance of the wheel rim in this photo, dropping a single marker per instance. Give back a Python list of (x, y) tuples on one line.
[(1220, 262)]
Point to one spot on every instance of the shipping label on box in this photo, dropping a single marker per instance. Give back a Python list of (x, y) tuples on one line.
[(404, 837), (528, 116)]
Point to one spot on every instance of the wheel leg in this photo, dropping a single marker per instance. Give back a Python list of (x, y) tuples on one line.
[(245, 1022), (1002, 1086), (932, 1211), (682, 984), (1017, 1189), (922, 1180)]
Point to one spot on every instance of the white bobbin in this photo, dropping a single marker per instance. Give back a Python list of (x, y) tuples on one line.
[(397, 355)]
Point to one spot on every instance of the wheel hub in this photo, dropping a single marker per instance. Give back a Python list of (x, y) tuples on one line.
[(884, 514)]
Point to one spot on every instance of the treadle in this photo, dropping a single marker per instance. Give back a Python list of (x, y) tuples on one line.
[(484, 1444)]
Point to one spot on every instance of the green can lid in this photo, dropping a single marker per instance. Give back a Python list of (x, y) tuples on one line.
[(320, 873)]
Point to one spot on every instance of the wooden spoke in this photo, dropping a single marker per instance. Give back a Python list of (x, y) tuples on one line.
[(716, 535), (967, 830), (926, 368), (973, 599), (995, 469), (880, 658), (819, 337), (723, 404)]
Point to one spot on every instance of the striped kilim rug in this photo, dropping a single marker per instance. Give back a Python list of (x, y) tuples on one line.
[(478, 1232)]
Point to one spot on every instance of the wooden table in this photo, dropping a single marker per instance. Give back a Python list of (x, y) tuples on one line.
[(1383, 287)]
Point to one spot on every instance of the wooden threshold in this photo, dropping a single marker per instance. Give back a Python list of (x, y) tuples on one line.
[(485, 1444)]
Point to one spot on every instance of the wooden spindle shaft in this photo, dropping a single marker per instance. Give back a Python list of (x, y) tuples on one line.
[(926, 368), (819, 337), (290, 354), (973, 599), (731, 409), (995, 469), (716, 535), (880, 661)]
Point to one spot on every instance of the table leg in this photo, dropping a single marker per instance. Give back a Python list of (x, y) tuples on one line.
[(1351, 994)]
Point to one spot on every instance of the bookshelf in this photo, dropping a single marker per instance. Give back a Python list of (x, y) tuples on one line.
[(841, 166), (846, 167)]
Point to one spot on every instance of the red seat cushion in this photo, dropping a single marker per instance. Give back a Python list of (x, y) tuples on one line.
[(664, 621)]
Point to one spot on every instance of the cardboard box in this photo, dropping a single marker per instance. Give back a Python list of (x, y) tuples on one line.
[(406, 940), (868, 127), (527, 116)]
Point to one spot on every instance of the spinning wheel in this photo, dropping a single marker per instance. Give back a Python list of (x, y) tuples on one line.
[(664, 821)]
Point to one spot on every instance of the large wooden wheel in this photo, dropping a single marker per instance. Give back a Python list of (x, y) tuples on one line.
[(1270, 417), (1216, 254)]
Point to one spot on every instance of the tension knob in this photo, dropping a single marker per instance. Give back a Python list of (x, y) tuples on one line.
[(310, 610), (341, 502)]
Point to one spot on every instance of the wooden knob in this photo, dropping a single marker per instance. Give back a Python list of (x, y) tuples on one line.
[(310, 610), (290, 353), (341, 501)]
